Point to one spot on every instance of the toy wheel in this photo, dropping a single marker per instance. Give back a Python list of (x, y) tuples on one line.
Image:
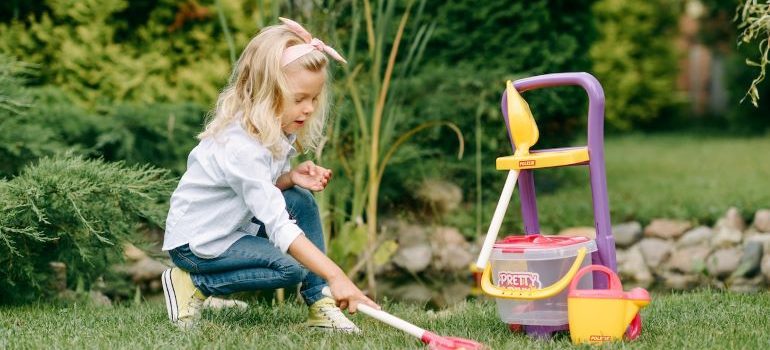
[(515, 328), (634, 328)]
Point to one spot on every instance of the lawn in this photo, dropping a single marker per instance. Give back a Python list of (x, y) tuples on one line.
[(691, 177), (695, 320)]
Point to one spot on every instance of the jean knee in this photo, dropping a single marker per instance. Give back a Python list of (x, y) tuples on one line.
[(181, 261), (294, 273), (299, 198)]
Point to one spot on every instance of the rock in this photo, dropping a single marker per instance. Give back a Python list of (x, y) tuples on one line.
[(415, 258), (696, 236), (582, 231), (762, 220), (132, 253), (655, 251), (414, 252), (627, 234), (765, 267), (635, 268), (750, 261), (689, 259), (451, 252), (723, 262), (452, 294), (732, 220), (99, 299), (726, 237), (620, 256), (154, 286), (763, 239), (412, 292), (751, 231), (409, 235), (215, 303), (678, 281), (439, 195), (146, 269), (666, 228), (59, 280), (746, 285), (716, 284)]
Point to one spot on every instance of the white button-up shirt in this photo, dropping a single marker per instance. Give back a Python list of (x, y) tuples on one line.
[(230, 178)]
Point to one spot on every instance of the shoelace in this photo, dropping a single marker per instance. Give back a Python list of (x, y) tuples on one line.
[(337, 318), (195, 304)]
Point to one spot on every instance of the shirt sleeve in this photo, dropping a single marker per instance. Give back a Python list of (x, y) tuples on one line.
[(248, 174)]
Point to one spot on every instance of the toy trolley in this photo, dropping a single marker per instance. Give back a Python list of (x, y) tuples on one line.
[(530, 275)]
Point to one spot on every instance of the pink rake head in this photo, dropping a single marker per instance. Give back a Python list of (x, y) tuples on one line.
[(437, 342)]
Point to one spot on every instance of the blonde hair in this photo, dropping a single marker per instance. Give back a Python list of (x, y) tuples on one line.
[(258, 89)]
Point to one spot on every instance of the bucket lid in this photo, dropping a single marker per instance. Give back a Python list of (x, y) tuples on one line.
[(519, 244)]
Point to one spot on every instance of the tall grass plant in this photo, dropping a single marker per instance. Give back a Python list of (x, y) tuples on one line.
[(371, 129)]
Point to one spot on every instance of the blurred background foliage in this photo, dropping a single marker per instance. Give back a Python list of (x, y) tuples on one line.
[(131, 81), (633, 59)]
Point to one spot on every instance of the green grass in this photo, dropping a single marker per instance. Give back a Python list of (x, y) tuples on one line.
[(676, 176), (695, 320)]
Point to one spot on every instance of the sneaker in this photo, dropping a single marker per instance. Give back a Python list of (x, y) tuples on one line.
[(324, 314), (183, 299)]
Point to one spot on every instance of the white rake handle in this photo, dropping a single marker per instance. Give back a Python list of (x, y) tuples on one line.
[(384, 317), (497, 219)]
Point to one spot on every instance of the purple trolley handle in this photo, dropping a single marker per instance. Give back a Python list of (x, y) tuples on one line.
[(605, 242)]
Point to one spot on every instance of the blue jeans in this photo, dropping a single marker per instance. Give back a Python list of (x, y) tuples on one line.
[(254, 263)]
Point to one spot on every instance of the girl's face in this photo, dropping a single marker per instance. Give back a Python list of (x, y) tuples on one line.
[(305, 86)]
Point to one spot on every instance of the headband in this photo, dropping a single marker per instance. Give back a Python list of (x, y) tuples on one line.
[(292, 53)]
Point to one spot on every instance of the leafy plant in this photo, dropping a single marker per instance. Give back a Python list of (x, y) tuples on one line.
[(370, 130), (75, 211), (754, 22)]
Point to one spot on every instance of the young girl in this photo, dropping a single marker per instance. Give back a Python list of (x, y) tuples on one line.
[(238, 208)]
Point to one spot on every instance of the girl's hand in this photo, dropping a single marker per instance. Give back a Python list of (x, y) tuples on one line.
[(348, 296), (310, 176)]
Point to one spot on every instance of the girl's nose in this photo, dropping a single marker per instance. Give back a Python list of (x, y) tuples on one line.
[(309, 108)]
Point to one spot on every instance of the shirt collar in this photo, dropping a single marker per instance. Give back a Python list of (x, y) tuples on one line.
[(289, 141)]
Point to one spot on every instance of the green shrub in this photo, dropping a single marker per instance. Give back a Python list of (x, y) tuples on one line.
[(73, 43), (75, 211), (40, 121), (482, 44), (116, 50), (20, 140), (72, 125), (635, 60), (160, 134)]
